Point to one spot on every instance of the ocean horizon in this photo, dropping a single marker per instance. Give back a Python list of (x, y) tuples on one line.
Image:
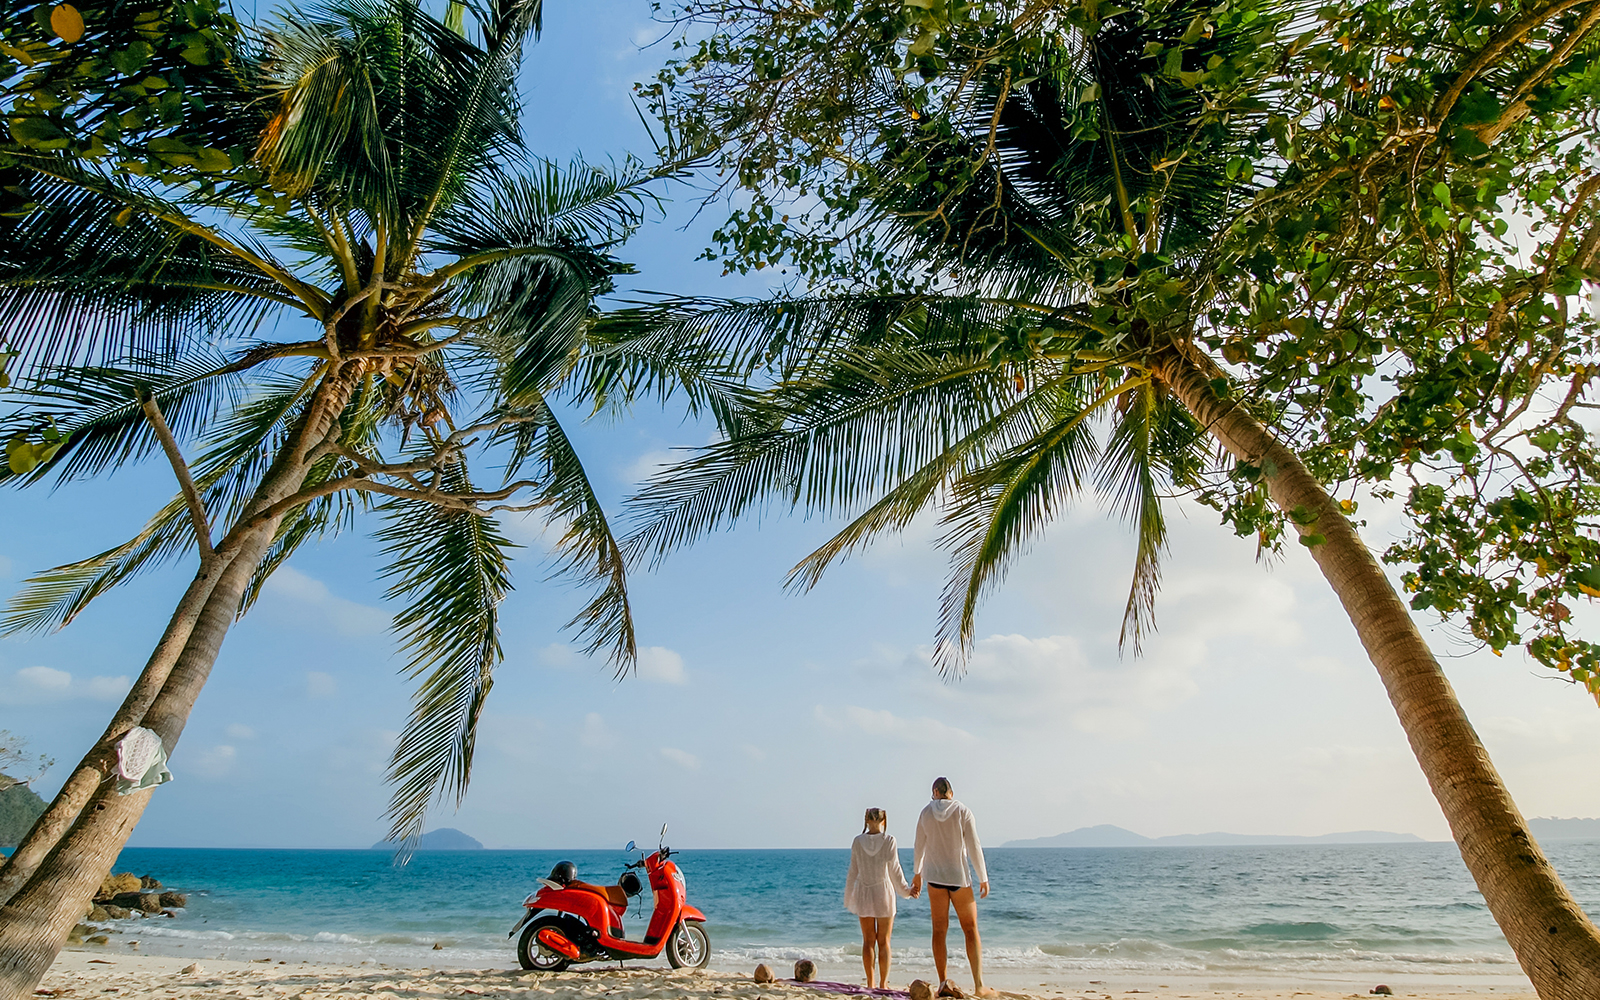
[(1055, 915)]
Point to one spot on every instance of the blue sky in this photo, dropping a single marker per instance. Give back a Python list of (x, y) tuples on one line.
[(760, 718)]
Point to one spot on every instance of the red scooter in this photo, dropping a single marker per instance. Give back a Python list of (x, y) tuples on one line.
[(570, 922)]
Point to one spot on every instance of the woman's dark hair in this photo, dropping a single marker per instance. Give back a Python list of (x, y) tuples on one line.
[(941, 787), (875, 815)]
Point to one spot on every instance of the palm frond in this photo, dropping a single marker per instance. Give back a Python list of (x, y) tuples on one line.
[(93, 276), (587, 550), (50, 600), (1154, 446), (99, 409), (547, 205), (877, 418), (241, 449), (915, 493), (998, 510), (1128, 479), (451, 569), (326, 133)]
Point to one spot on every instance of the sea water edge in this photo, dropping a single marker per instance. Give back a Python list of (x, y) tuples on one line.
[(1315, 915)]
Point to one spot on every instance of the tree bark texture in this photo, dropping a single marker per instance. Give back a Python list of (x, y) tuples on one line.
[(1556, 944), (35, 922)]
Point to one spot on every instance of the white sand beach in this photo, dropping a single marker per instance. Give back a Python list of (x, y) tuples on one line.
[(95, 974)]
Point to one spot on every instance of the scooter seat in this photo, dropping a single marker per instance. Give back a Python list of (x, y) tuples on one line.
[(612, 894)]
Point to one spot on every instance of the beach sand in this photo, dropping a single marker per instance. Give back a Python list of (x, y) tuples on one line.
[(101, 974)]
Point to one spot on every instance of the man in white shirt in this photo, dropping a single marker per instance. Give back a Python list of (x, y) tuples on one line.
[(947, 839)]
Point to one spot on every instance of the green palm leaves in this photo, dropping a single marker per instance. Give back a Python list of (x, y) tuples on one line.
[(1061, 200), (379, 198), (891, 407)]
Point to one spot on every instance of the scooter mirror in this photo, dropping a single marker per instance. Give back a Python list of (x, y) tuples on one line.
[(629, 848), (663, 831)]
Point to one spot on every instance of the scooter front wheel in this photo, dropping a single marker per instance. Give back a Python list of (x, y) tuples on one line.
[(689, 947), (532, 955)]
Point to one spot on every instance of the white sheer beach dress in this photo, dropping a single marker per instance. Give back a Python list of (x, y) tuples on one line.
[(875, 877)]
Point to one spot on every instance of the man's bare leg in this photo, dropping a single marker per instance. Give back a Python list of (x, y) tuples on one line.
[(939, 903), (967, 912)]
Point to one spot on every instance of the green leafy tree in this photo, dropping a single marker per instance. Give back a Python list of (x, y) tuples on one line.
[(1283, 227), (430, 288)]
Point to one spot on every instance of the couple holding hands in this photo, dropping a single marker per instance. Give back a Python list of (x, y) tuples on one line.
[(947, 839)]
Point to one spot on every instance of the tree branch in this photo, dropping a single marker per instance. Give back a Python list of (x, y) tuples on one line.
[(191, 496)]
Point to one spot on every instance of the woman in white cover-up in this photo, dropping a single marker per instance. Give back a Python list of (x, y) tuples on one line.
[(869, 890)]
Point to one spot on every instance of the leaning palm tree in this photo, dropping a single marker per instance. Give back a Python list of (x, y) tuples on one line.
[(1072, 216), (428, 286)]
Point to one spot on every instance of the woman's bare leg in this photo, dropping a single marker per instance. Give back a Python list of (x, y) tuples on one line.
[(885, 931), (869, 941)]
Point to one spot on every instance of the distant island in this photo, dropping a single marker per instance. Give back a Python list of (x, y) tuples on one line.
[(1554, 828), (19, 807), (1106, 835), (447, 839)]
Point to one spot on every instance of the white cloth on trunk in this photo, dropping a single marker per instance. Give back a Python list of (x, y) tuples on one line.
[(874, 877), (141, 761), (947, 838)]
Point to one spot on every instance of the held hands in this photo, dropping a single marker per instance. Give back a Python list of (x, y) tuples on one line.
[(983, 890), (916, 886)]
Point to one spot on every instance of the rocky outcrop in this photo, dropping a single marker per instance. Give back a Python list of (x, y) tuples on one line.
[(117, 885), (123, 895)]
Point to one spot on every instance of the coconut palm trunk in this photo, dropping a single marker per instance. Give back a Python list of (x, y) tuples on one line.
[(1557, 945), (35, 922), (97, 764)]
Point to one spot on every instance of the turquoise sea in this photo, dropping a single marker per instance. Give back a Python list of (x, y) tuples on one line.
[(1058, 915)]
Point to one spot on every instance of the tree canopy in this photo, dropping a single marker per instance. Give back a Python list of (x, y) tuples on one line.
[(1377, 220)]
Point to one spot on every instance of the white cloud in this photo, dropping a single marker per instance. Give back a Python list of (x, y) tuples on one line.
[(535, 529), (107, 688), (1014, 679), (881, 722), (682, 758), (650, 462), (342, 616), (33, 685), (559, 655), (661, 665), (656, 664), (596, 735), (212, 762), (45, 678), (240, 731), (320, 685)]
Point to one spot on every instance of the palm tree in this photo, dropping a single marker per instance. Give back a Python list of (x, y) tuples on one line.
[(1074, 213), (372, 180)]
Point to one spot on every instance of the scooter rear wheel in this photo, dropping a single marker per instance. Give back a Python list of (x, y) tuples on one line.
[(689, 947), (533, 955)]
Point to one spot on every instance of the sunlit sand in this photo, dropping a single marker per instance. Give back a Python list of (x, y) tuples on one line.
[(93, 974)]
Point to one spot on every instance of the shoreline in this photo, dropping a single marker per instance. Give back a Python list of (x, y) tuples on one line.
[(80, 972)]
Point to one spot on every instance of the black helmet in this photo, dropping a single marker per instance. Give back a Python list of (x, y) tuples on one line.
[(630, 884), (564, 873)]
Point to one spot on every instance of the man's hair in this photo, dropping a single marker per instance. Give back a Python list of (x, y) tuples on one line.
[(941, 787)]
